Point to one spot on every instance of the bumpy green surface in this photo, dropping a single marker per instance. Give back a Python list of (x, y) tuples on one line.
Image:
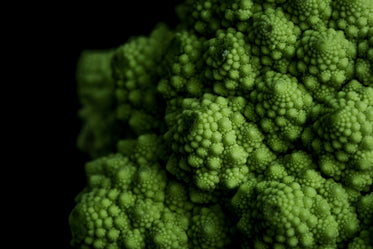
[(130, 203), (96, 88), (249, 125)]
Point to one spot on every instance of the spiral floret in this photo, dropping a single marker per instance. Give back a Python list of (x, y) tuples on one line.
[(326, 55), (130, 203), (308, 14), (248, 125), (354, 17), (294, 206), (343, 138), (181, 73), (274, 38), (211, 139), (286, 215), (282, 105), (119, 202), (228, 63), (206, 17), (135, 68), (209, 229)]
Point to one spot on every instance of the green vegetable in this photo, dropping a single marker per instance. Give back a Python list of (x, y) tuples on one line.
[(249, 125)]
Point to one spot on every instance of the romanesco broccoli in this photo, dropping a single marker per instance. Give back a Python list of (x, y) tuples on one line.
[(248, 125)]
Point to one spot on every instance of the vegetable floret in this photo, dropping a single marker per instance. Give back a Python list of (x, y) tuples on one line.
[(206, 17), (181, 73), (130, 203), (294, 206), (228, 63), (148, 148), (309, 14), (327, 55), (342, 137), (119, 199), (282, 105), (209, 138), (364, 64), (292, 217), (169, 232), (135, 72), (274, 38), (209, 228), (354, 17)]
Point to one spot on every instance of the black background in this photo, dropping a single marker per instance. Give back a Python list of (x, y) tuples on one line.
[(59, 165)]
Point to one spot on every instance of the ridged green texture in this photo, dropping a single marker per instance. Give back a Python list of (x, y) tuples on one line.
[(364, 64), (206, 17), (282, 106), (300, 207), (327, 55), (248, 125), (354, 17), (213, 140), (342, 137), (135, 68), (228, 63), (308, 14), (182, 67)]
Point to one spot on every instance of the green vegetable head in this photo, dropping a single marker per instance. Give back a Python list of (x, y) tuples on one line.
[(248, 125)]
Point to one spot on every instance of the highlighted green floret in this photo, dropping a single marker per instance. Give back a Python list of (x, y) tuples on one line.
[(354, 17), (308, 14), (326, 55), (120, 201), (211, 139), (297, 163), (282, 105), (285, 216), (228, 63), (135, 72), (294, 206), (96, 89), (273, 37), (182, 71), (237, 13), (206, 17), (342, 136)]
